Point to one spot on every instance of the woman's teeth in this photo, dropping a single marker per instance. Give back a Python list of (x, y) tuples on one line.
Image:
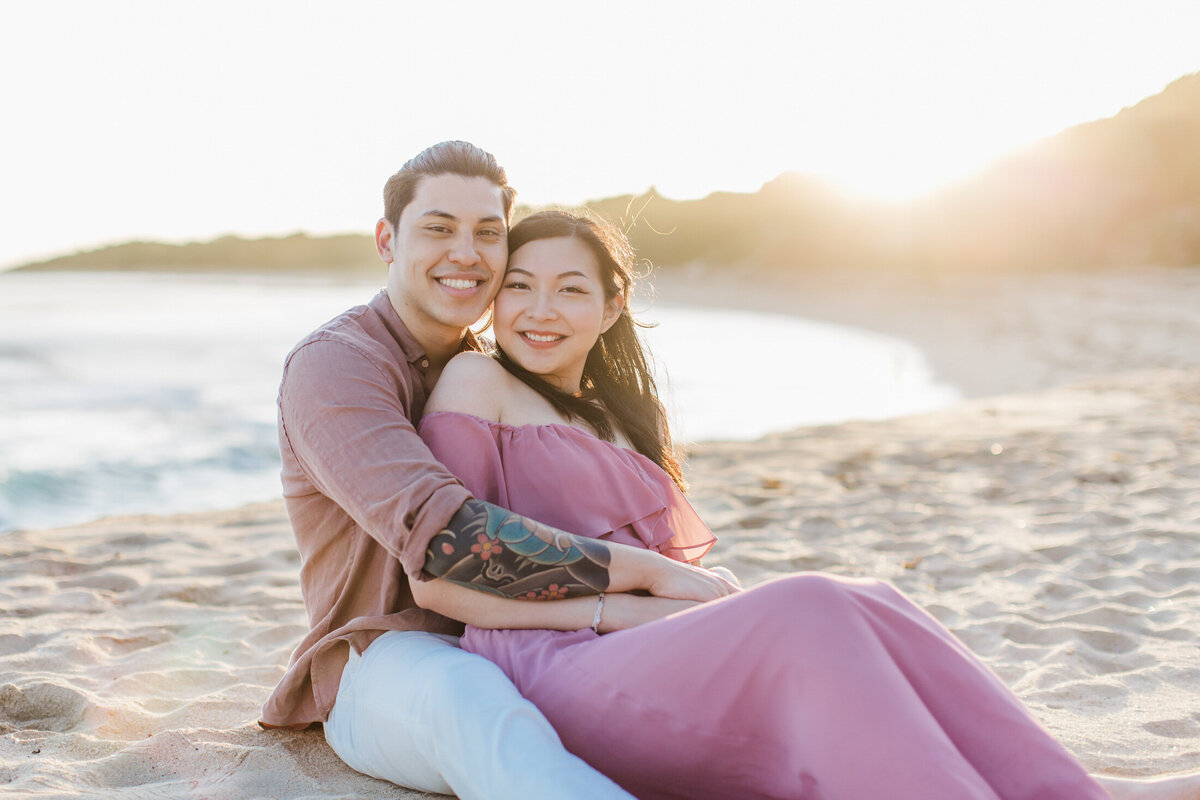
[(541, 337)]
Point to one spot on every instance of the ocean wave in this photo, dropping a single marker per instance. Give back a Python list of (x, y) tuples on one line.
[(43, 498)]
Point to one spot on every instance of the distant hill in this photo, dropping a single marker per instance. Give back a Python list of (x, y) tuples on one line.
[(348, 253), (794, 221), (1123, 190), (1116, 191)]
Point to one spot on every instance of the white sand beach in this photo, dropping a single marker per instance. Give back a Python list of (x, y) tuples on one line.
[(1052, 522)]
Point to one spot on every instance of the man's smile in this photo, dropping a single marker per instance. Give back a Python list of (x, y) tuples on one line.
[(459, 283)]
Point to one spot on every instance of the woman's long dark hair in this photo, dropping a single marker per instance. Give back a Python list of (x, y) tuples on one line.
[(616, 372)]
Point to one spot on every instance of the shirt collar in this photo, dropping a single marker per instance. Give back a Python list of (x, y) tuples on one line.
[(381, 304)]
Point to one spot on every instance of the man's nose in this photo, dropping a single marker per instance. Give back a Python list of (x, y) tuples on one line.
[(463, 250)]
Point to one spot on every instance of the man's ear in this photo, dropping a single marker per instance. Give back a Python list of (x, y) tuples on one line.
[(612, 311), (384, 240)]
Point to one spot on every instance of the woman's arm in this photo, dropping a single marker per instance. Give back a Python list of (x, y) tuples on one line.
[(483, 610)]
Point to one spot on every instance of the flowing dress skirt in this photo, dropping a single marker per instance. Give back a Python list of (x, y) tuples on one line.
[(808, 686)]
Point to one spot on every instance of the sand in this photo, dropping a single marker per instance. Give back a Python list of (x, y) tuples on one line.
[(1055, 528)]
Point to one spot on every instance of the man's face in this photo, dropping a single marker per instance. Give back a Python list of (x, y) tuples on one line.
[(446, 256)]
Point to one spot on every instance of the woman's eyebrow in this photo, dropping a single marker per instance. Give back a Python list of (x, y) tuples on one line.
[(567, 274)]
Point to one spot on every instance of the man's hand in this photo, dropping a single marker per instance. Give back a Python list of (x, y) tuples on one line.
[(632, 569), (727, 574), (685, 582)]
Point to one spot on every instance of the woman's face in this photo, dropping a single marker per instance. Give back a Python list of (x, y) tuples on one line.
[(551, 309)]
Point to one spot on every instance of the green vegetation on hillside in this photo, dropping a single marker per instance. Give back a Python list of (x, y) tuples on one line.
[(346, 253)]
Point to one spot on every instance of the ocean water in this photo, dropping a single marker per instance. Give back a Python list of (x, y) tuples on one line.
[(155, 393)]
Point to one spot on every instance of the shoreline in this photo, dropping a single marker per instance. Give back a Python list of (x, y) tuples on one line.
[(984, 333)]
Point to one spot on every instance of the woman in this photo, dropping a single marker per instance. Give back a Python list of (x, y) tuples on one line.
[(804, 687)]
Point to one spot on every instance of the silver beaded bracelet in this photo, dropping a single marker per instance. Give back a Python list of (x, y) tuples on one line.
[(599, 608)]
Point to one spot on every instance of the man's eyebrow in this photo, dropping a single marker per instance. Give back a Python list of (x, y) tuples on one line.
[(435, 212)]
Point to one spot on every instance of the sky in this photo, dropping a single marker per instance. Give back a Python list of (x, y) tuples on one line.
[(180, 121)]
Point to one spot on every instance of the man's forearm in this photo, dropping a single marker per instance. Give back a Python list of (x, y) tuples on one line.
[(488, 548)]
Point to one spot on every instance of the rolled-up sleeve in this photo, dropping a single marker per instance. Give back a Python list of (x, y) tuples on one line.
[(346, 418)]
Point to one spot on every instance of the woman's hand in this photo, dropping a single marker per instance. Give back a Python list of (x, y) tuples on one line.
[(623, 611)]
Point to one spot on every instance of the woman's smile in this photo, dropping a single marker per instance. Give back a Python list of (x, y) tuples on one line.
[(542, 338)]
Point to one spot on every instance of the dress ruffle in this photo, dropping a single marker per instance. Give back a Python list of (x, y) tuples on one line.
[(564, 476)]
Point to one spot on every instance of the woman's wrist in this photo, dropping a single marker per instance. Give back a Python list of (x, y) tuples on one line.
[(623, 611), (599, 612)]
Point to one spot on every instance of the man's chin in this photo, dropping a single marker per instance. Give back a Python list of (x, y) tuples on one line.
[(468, 319)]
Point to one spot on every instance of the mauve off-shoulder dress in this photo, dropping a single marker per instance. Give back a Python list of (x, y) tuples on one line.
[(807, 686)]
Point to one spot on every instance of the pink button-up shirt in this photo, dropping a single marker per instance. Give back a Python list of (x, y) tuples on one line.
[(364, 496)]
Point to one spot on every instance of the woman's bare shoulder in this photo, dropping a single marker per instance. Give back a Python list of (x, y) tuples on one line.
[(471, 383)]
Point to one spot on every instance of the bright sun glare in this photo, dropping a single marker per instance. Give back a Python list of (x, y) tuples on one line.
[(903, 171), (898, 180)]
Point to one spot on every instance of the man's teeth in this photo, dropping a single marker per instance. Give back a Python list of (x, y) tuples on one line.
[(541, 337), (458, 283)]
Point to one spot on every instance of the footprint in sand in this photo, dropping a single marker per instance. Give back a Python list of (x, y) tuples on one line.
[(41, 706), (1174, 728), (1109, 642), (131, 542), (106, 582), (252, 565), (56, 567), (120, 645), (11, 643)]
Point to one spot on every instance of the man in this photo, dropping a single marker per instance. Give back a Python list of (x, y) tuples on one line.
[(399, 700)]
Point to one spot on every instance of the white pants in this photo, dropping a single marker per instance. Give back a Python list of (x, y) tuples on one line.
[(417, 710)]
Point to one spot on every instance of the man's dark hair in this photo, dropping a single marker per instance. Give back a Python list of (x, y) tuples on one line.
[(443, 158)]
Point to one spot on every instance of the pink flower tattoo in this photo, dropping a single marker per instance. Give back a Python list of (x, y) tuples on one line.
[(485, 547)]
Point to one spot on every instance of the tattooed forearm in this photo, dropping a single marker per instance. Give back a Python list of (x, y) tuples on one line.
[(488, 548)]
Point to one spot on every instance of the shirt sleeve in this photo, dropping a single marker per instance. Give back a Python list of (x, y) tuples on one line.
[(347, 422)]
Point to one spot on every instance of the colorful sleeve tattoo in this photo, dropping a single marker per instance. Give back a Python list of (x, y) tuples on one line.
[(488, 548)]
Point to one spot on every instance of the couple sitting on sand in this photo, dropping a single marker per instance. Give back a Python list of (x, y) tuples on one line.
[(533, 495)]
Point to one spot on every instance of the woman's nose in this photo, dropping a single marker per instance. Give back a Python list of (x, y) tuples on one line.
[(542, 306)]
